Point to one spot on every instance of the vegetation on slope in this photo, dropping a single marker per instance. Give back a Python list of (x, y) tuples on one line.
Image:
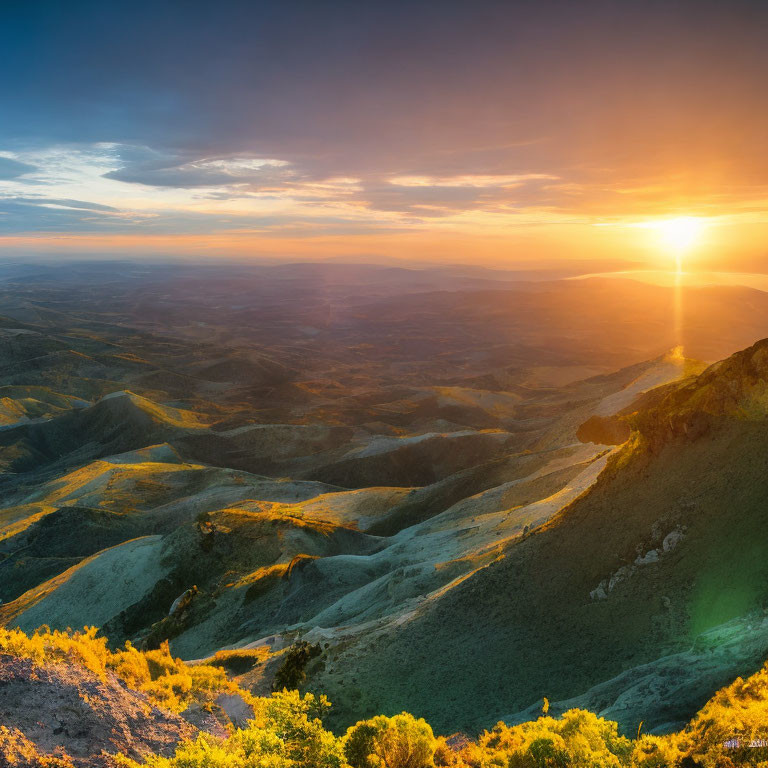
[(287, 728), (288, 731), (664, 547), (168, 682)]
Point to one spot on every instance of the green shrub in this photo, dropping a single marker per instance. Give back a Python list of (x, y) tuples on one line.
[(401, 741), (293, 671), (544, 753)]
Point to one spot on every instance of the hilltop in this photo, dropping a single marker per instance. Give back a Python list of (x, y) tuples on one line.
[(647, 567)]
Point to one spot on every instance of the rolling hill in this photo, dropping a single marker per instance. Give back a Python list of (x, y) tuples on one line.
[(427, 484), (658, 555)]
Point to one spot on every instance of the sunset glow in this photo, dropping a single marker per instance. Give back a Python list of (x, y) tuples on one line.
[(304, 140), (362, 358), (679, 235)]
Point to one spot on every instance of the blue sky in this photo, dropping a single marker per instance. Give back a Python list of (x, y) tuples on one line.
[(507, 130)]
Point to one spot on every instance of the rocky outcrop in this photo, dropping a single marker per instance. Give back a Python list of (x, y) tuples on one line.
[(69, 711), (735, 388)]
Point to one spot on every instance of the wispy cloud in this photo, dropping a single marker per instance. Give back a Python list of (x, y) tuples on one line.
[(469, 180), (134, 189), (143, 165)]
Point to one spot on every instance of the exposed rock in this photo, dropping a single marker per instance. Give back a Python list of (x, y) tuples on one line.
[(65, 707)]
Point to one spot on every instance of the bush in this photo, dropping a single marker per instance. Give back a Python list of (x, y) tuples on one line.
[(544, 753), (579, 738), (360, 744), (401, 741), (293, 671), (287, 732)]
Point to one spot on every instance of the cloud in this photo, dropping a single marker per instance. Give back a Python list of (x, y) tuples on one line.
[(377, 89), (431, 196), (27, 215), (470, 180), (109, 187), (12, 169), (288, 116), (75, 205), (43, 214), (144, 165)]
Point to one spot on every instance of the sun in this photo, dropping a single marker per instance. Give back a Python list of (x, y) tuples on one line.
[(681, 234)]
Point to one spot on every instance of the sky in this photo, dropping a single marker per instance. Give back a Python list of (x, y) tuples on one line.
[(500, 133)]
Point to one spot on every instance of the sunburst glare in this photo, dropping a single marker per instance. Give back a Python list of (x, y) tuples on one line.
[(681, 234)]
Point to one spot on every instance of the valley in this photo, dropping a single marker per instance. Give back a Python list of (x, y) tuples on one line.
[(458, 509)]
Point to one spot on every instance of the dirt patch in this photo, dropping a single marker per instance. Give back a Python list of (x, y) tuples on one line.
[(66, 707)]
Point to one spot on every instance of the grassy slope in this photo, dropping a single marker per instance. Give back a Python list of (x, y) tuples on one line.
[(526, 626)]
